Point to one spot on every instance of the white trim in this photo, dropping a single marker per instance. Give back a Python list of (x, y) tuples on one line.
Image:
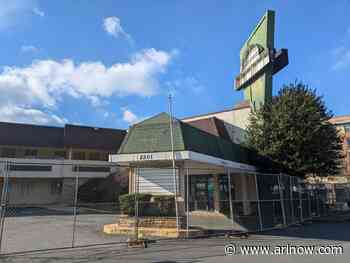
[(59, 168), (127, 159)]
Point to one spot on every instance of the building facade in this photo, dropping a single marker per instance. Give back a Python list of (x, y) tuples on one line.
[(41, 163), (343, 125)]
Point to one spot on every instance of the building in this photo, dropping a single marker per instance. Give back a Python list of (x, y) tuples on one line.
[(343, 125), (207, 150), (70, 142), (43, 162)]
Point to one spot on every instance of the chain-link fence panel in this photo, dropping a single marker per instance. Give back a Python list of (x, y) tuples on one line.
[(70, 204), (99, 217), (39, 209)]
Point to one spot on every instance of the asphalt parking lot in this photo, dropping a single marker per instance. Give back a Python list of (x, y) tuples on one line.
[(208, 249), (24, 233)]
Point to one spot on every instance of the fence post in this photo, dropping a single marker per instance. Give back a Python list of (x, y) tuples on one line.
[(3, 200), (230, 196), (187, 202), (258, 199), (300, 201), (317, 202), (136, 191), (282, 199), (75, 203), (309, 200), (291, 197)]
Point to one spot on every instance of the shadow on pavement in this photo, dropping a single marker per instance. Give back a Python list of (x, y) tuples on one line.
[(328, 231)]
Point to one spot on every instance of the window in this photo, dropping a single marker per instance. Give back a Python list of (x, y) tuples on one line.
[(30, 168), (91, 169), (94, 156), (78, 156), (30, 153), (8, 152)]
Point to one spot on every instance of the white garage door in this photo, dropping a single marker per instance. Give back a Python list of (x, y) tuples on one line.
[(156, 181)]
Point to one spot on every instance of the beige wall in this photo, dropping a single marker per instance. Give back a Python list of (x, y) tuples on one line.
[(32, 191), (236, 121)]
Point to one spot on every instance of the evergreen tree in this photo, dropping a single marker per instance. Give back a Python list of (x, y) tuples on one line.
[(294, 131)]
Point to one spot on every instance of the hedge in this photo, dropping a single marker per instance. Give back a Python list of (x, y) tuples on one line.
[(163, 205)]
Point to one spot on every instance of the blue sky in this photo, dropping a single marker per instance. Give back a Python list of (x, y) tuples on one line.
[(111, 63)]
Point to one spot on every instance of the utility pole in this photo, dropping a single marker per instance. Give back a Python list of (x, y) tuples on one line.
[(173, 161)]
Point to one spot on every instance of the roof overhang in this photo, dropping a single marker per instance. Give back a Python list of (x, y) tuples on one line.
[(138, 159)]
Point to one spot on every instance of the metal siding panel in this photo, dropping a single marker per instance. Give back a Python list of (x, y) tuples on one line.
[(156, 181)]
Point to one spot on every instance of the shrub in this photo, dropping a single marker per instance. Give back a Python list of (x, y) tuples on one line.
[(162, 205), (166, 205), (127, 203)]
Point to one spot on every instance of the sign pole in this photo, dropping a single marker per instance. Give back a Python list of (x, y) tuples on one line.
[(173, 162)]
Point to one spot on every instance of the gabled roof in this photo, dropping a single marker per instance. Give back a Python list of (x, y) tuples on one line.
[(153, 135)]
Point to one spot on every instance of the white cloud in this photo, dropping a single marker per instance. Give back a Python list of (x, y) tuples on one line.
[(185, 84), (38, 12), (129, 116), (341, 57), (45, 80), (44, 83), (13, 113), (29, 49), (113, 27), (13, 12)]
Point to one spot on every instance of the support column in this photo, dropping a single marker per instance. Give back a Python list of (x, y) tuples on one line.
[(131, 180), (245, 194), (216, 194)]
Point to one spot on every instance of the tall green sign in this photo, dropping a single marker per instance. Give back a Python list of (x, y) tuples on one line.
[(259, 62)]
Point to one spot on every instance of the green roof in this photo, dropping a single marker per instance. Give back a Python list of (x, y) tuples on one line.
[(153, 135)]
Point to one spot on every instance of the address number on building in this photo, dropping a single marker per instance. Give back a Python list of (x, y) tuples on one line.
[(145, 157)]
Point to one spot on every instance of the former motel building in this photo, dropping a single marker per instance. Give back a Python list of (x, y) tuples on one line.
[(43, 162)]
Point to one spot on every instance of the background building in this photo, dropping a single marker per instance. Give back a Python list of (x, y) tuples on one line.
[(43, 162), (343, 125)]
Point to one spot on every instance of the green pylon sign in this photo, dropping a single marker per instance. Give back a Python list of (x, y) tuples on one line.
[(259, 61)]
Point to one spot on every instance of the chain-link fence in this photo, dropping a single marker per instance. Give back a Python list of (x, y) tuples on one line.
[(60, 204), (49, 205)]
